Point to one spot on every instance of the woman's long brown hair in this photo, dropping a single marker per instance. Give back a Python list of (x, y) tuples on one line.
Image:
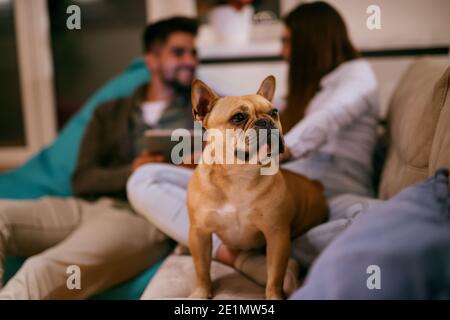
[(319, 43)]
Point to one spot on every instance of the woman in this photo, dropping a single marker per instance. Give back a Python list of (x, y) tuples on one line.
[(331, 114), (330, 120)]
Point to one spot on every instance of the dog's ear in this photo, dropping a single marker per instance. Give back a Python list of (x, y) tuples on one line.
[(202, 98), (267, 88)]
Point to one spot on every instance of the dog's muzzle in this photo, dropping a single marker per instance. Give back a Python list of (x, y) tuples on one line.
[(269, 125)]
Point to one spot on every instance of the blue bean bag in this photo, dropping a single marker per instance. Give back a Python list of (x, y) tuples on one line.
[(49, 172)]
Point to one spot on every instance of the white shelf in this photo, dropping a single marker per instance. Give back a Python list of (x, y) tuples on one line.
[(255, 49), (264, 42)]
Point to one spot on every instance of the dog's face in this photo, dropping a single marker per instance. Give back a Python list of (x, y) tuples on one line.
[(241, 114)]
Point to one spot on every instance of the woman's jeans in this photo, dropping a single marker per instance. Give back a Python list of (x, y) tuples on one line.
[(398, 250), (338, 175)]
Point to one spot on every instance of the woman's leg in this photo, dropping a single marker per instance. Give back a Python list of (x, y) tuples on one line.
[(348, 190), (343, 209), (338, 175)]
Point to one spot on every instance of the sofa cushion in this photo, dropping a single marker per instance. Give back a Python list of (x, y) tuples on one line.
[(176, 279), (440, 150), (415, 112)]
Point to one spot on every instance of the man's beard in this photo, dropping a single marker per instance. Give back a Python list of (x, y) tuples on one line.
[(179, 88)]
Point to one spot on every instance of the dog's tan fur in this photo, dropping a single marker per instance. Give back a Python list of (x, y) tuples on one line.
[(245, 209)]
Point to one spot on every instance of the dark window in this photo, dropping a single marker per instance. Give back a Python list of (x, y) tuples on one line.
[(84, 60), (12, 132)]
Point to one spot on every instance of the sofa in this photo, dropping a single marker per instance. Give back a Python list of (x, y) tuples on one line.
[(417, 138)]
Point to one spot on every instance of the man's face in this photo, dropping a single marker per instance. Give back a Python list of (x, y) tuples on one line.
[(175, 60)]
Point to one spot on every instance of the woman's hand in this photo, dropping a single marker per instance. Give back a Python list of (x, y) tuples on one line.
[(285, 156)]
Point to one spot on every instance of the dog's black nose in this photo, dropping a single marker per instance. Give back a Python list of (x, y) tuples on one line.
[(264, 124)]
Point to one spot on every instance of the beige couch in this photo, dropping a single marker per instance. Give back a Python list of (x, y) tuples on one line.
[(419, 143), (419, 127)]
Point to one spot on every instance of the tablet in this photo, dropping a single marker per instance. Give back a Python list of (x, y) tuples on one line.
[(159, 141)]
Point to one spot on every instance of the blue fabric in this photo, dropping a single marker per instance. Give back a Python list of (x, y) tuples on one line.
[(49, 172), (131, 289), (407, 237)]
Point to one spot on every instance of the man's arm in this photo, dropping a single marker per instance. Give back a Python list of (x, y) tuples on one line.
[(91, 177)]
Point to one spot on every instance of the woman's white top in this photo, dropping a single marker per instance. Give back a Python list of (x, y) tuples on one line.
[(342, 117)]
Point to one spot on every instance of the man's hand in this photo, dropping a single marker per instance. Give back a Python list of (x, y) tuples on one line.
[(146, 157)]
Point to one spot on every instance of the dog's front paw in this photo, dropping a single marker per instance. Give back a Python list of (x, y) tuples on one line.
[(274, 295), (201, 293)]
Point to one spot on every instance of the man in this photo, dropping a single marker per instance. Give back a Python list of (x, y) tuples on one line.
[(103, 237)]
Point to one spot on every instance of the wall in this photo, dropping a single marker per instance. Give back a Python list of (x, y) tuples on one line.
[(404, 22)]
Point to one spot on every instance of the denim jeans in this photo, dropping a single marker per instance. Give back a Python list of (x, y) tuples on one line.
[(399, 249), (338, 175)]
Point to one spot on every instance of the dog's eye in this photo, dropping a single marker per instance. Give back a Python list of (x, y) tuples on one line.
[(274, 113), (238, 118)]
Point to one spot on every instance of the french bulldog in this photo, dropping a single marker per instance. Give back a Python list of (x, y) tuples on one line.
[(246, 209)]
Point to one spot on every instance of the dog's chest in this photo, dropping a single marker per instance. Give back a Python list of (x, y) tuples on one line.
[(234, 225)]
